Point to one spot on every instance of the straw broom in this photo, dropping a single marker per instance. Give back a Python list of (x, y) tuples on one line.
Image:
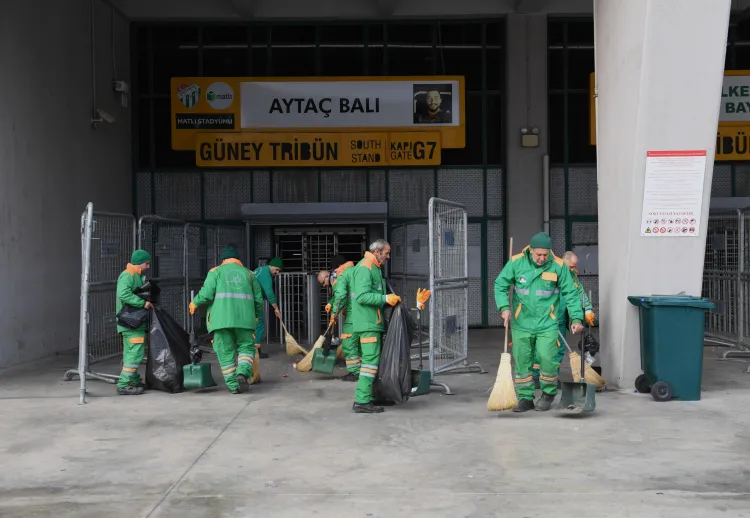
[(340, 352), (292, 347), (590, 375), (305, 364), (256, 369), (503, 396)]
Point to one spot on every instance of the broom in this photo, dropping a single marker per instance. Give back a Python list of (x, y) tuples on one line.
[(305, 364), (340, 352), (590, 375), (292, 347), (256, 370), (503, 396)]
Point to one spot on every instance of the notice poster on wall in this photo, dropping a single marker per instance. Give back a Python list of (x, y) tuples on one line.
[(673, 193)]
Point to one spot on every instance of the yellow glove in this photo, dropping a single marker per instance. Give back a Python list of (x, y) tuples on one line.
[(590, 316), (328, 308), (422, 297), (392, 299), (193, 307)]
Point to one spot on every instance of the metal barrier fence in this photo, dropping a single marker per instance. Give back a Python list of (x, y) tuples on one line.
[(434, 253), (182, 253), (726, 281), (449, 284)]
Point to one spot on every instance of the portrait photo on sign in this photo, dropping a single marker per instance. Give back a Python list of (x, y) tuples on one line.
[(432, 103)]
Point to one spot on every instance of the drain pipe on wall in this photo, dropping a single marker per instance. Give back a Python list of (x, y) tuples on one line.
[(545, 194)]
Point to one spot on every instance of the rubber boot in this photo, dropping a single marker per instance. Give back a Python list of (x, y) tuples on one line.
[(243, 385), (350, 377), (366, 408), (544, 403), (524, 405)]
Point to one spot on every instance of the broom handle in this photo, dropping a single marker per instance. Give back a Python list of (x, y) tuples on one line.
[(583, 338), (510, 298)]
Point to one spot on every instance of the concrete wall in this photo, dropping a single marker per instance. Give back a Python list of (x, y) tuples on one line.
[(526, 106), (659, 70), (52, 163)]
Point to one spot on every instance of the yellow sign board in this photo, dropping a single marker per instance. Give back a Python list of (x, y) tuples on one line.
[(317, 149), (733, 143), (317, 105)]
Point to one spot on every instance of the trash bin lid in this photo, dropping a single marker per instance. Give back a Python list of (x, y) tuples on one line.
[(685, 301)]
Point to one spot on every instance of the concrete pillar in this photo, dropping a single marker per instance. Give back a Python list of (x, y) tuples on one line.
[(659, 69), (526, 106)]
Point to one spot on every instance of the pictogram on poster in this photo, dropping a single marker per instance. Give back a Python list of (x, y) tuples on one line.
[(673, 193)]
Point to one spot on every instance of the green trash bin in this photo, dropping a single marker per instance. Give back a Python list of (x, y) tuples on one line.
[(672, 328)]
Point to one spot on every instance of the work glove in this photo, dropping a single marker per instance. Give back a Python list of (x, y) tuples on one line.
[(192, 307), (590, 316), (332, 320), (392, 299), (328, 308), (422, 297)]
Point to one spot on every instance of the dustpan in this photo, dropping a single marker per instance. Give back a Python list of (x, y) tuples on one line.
[(323, 361), (196, 375), (577, 396)]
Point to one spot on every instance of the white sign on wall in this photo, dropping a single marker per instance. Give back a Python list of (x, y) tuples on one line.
[(350, 104), (673, 193)]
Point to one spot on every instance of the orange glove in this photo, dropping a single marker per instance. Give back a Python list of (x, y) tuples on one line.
[(422, 297), (590, 316), (192, 307), (332, 320), (392, 299), (328, 308)]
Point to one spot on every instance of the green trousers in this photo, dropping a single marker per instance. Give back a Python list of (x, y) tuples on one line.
[(231, 343), (260, 330), (560, 351), (525, 343), (352, 351), (370, 346), (133, 345)]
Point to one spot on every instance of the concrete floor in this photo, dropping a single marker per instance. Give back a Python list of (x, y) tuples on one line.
[(293, 448)]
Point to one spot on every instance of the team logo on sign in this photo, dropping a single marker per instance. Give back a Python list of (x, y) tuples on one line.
[(220, 96), (189, 94)]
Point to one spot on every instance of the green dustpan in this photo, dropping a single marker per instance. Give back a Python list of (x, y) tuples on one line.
[(577, 396), (324, 358), (196, 375)]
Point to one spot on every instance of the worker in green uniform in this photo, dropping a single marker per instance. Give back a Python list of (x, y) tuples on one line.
[(340, 279), (133, 340), (368, 297), (571, 261), (265, 275), (539, 278), (234, 298)]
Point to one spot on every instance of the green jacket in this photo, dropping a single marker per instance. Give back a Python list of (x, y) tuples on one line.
[(368, 296), (581, 293), (263, 274), (129, 281), (537, 293), (233, 296), (342, 292)]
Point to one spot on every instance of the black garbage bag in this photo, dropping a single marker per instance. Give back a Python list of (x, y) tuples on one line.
[(394, 373), (132, 317), (150, 291), (590, 345), (169, 352)]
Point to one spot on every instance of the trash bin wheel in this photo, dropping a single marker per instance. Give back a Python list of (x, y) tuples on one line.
[(641, 384), (661, 391)]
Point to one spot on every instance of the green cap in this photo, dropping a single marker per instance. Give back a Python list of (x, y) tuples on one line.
[(277, 262), (140, 257), (229, 252), (541, 240)]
